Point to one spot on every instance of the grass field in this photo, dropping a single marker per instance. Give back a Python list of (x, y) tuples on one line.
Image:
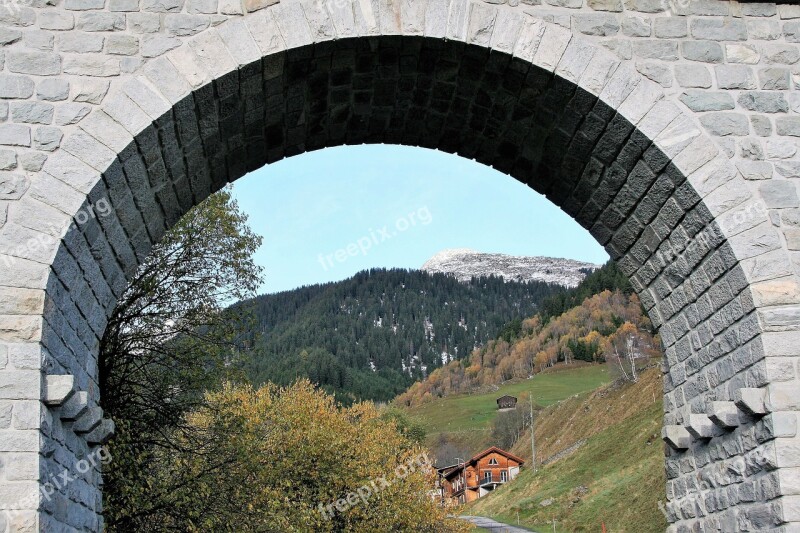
[(616, 478), (468, 418)]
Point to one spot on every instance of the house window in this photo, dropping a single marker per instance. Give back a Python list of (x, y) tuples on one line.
[(503, 476), (487, 476), (492, 461)]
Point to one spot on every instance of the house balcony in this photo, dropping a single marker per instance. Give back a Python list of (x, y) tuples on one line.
[(494, 480)]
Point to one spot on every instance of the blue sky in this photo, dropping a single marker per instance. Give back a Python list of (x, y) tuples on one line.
[(326, 215)]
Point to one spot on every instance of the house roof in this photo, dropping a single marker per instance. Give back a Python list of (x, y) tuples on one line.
[(507, 396), (445, 470), (449, 472), (495, 449)]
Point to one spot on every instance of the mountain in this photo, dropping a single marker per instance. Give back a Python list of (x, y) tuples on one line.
[(465, 264), (373, 335), (589, 323), (599, 456)]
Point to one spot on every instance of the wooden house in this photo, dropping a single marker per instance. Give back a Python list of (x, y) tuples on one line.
[(479, 475)]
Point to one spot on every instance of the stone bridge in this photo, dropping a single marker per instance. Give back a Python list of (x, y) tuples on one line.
[(668, 128)]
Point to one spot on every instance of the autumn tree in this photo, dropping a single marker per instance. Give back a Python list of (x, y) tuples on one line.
[(508, 426), (413, 431), (447, 452), (172, 337), (290, 459), (628, 350)]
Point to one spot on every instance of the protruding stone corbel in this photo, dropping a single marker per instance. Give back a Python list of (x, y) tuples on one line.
[(102, 433), (75, 406), (752, 401), (88, 420), (677, 437), (58, 389), (724, 414), (701, 427)]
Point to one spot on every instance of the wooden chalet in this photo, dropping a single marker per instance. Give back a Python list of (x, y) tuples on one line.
[(478, 476)]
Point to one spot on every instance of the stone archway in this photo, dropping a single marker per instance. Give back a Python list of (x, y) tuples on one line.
[(510, 89)]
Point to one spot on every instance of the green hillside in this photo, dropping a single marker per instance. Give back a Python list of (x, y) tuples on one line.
[(615, 478), (598, 448), (467, 418)]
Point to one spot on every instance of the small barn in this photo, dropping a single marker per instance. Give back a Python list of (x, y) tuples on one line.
[(507, 402)]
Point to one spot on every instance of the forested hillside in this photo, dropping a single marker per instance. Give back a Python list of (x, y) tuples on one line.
[(598, 321), (373, 335)]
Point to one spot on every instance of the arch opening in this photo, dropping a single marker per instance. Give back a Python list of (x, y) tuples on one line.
[(502, 111)]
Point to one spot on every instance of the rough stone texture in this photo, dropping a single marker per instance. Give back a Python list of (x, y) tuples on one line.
[(667, 129), (707, 101)]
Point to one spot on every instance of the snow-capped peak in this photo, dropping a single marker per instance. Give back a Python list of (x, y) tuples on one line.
[(464, 264)]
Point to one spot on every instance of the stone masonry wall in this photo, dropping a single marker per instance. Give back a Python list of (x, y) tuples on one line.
[(668, 128)]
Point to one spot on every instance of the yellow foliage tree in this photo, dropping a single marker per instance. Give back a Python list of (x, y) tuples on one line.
[(289, 459)]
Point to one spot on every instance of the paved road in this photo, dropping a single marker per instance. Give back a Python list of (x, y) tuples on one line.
[(493, 525)]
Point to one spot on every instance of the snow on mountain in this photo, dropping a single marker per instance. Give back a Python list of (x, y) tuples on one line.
[(465, 264)]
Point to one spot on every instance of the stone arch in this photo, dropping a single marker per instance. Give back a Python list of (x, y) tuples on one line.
[(515, 92)]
